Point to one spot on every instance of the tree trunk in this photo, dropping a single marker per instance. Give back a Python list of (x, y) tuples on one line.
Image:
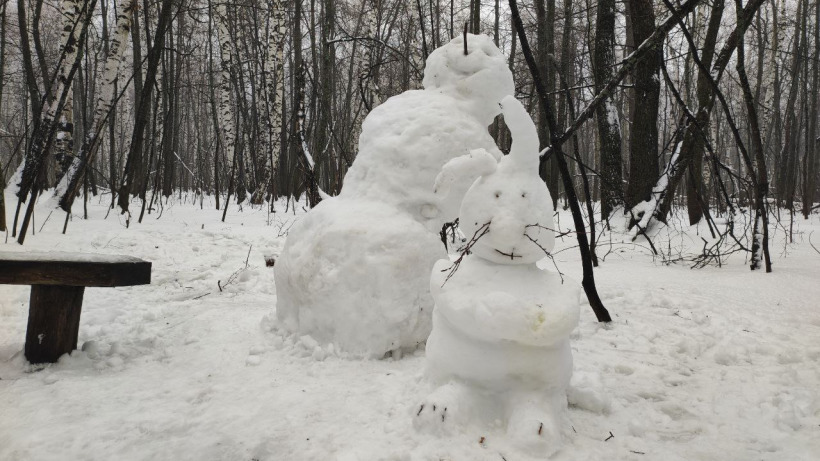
[(226, 118), (810, 163), (2, 84), (760, 230), (789, 153), (45, 131), (609, 125), (588, 281), (107, 98), (643, 145), (142, 115)]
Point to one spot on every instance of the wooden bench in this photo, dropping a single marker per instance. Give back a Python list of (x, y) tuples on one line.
[(58, 281)]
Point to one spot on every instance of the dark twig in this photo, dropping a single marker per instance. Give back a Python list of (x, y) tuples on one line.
[(549, 255), (480, 232)]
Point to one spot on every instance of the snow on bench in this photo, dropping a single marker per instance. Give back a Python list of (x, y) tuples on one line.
[(58, 281)]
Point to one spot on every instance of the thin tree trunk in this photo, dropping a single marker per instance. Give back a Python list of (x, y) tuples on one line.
[(71, 182), (789, 153), (810, 163), (143, 112), (226, 117), (2, 84), (609, 125), (760, 230), (588, 281), (44, 134)]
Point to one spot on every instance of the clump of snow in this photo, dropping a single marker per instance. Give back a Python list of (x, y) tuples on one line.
[(588, 392), (353, 282), (499, 350), (355, 270)]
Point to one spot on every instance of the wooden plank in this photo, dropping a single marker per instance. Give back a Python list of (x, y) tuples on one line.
[(53, 322), (73, 269)]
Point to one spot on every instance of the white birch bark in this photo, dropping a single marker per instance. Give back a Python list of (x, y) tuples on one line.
[(72, 11), (107, 95), (226, 121), (273, 93), (368, 81), (64, 144)]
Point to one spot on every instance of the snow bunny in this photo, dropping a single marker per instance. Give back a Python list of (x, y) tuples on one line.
[(499, 349), (354, 271)]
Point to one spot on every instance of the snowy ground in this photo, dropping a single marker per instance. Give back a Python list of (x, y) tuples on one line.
[(710, 364)]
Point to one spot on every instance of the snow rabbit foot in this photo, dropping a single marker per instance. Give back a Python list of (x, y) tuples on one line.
[(534, 430), (441, 409)]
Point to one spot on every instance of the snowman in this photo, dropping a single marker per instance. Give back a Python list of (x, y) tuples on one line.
[(499, 350), (354, 271)]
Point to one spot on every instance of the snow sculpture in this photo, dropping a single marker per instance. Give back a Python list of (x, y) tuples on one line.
[(354, 271), (499, 349)]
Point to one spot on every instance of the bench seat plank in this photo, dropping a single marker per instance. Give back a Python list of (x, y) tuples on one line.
[(72, 269)]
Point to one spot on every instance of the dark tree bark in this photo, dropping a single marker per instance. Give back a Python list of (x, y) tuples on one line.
[(678, 165), (643, 143), (588, 281), (810, 159), (142, 114), (697, 188), (789, 154), (609, 127), (760, 181), (545, 47), (2, 84)]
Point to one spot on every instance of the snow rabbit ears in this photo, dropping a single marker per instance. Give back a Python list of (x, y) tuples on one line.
[(509, 205), (524, 149), (523, 153)]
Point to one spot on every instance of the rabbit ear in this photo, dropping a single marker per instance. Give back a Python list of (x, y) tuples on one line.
[(477, 163), (524, 136)]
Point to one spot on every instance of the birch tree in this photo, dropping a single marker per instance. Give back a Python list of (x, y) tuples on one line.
[(273, 96), (225, 110), (64, 145), (69, 186), (45, 131)]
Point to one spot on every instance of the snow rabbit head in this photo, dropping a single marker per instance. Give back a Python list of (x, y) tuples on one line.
[(509, 206)]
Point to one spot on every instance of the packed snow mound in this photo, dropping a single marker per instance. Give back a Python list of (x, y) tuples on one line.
[(479, 79), (403, 145), (499, 349), (354, 283), (355, 271)]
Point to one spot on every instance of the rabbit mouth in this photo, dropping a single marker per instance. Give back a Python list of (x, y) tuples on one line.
[(510, 255)]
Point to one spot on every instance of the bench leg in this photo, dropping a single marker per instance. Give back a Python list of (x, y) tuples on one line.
[(53, 322)]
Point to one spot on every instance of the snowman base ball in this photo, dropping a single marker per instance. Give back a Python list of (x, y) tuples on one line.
[(355, 283)]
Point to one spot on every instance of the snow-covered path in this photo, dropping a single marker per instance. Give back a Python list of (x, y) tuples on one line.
[(711, 364)]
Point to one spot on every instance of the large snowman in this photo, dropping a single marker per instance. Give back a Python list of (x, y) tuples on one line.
[(354, 271), (499, 349)]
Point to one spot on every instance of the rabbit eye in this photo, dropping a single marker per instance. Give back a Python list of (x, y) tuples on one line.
[(497, 194), (523, 194)]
